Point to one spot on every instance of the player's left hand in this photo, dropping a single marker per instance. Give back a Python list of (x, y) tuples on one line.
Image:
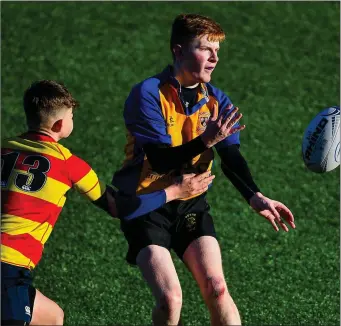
[(273, 211)]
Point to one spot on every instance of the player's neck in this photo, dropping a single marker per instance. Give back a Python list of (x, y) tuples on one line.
[(183, 77), (47, 132)]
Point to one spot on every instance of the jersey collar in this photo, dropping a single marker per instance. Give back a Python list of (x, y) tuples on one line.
[(168, 75), (37, 135)]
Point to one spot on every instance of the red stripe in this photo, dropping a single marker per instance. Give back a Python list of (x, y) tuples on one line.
[(58, 170), (29, 207), (32, 135), (77, 168), (91, 188), (25, 244)]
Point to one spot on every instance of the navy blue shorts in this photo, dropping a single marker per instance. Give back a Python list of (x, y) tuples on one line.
[(17, 295)]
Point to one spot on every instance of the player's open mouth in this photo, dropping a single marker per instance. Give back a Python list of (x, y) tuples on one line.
[(209, 68)]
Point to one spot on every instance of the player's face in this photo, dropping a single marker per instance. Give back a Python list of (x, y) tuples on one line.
[(199, 59), (67, 126)]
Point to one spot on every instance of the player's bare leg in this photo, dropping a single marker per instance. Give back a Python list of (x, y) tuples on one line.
[(203, 259), (158, 270), (46, 311)]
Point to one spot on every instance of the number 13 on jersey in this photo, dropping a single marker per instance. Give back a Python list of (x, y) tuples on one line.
[(28, 173)]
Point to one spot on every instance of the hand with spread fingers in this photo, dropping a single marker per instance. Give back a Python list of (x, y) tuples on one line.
[(221, 125), (274, 211)]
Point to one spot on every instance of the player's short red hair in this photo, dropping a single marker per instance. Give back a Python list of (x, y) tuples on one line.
[(186, 27)]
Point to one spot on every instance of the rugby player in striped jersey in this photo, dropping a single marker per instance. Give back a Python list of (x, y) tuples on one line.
[(36, 173)]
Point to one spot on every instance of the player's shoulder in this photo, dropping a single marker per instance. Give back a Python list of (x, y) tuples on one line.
[(148, 86), (151, 85), (65, 152), (142, 96), (32, 144)]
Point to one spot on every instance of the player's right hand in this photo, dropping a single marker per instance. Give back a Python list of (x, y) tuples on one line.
[(220, 126), (189, 185)]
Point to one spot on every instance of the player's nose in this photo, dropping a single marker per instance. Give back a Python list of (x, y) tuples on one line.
[(214, 57)]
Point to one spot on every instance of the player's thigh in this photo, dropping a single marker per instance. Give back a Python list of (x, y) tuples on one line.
[(46, 311), (203, 259), (150, 229), (157, 268)]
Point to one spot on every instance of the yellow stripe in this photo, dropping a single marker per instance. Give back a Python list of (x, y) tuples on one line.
[(40, 147), (12, 256), (15, 225), (66, 153), (53, 191), (86, 186)]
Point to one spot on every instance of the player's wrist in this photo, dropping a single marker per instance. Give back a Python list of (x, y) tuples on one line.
[(255, 196), (207, 142), (172, 192)]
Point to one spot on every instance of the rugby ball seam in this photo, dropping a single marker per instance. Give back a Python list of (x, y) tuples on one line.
[(324, 161)]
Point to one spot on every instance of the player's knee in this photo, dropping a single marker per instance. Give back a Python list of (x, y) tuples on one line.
[(216, 287), (171, 301)]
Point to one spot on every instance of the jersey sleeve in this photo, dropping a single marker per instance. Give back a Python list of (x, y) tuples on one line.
[(84, 179), (143, 116), (130, 207)]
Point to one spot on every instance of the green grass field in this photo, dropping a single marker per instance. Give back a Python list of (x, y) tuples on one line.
[(280, 65)]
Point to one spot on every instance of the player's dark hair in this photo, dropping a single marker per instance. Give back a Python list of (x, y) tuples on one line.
[(186, 27), (44, 99)]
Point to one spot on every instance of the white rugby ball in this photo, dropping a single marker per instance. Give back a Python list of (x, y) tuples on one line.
[(321, 142)]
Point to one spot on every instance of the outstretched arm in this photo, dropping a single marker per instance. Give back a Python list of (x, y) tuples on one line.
[(236, 169)]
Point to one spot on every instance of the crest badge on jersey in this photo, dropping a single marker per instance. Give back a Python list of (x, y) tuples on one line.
[(202, 121)]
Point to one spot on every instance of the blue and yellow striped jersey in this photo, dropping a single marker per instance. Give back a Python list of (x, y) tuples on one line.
[(154, 113)]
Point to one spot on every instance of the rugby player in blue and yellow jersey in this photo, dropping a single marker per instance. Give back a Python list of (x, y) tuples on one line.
[(36, 173), (173, 120)]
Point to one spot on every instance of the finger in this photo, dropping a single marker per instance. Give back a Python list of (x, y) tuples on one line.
[(286, 214), (188, 175), (228, 114), (205, 182), (274, 212), (210, 178), (221, 118), (285, 210), (271, 219), (214, 116), (201, 190), (273, 223), (228, 110), (233, 121), (229, 123), (283, 226), (236, 129), (276, 217), (203, 175)]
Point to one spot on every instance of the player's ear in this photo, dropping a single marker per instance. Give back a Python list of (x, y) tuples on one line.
[(57, 126), (177, 50)]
